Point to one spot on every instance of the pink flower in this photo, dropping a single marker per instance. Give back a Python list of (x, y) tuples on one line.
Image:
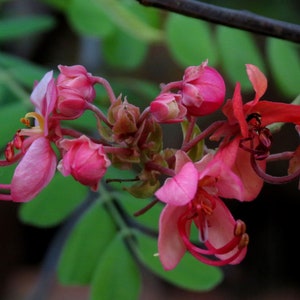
[(245, 132), (38, 160), (203, 90), (75, 89), (195, 198), (167, 108), (85, 160)]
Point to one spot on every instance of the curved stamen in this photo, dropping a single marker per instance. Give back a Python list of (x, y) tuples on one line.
[(272, 179)]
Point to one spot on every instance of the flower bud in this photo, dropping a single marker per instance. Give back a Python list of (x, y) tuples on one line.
[(203, 90), (167, 108), (124, 117), (75, 87), (85, 160)]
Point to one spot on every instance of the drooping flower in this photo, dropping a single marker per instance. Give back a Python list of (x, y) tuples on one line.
[(195, 199), (85, 160), (246, 134), (38, 160), (203, 90), (167, 108)]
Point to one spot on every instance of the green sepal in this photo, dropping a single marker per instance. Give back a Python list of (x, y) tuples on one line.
[(196, 152)]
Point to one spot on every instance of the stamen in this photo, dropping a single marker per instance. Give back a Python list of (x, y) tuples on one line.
[(244, 241), (272, 179), (240, 228)]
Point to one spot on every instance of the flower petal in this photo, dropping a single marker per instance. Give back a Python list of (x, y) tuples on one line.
[(258, 80), (221, 232), (34, 172), (180, 189), (171, 248)]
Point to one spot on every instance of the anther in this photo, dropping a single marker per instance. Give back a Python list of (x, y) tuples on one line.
[(240, 228), (25, 121), (244, 241)]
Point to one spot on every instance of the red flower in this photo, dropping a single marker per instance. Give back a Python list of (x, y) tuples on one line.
[(245, 132), (195, 198)]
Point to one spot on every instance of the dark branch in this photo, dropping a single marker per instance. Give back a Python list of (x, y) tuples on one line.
[(229, 17)]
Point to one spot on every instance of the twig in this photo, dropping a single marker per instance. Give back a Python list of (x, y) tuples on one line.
[(229, 17)]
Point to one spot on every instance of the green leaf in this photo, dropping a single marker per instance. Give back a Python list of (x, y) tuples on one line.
[(190, 41), (21, 26), (54, 203), (9, 126), (238, 48), (189, 274), (117, 275), (86, 244), (87, 18), (284, 62), (124, 51), (63, 5), (23, 71), (135, 20)]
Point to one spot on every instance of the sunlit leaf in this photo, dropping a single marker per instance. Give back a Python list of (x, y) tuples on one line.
[(54, 203), (284, 62), (190, 41), (86, 244), (117, 275), (189, 274), (238, 48)]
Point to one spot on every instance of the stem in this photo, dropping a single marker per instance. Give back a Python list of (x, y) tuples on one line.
[(107, 86), (165, 88), (98, 113), (189, 131), (208, 131), (163, 170), (244, 20)]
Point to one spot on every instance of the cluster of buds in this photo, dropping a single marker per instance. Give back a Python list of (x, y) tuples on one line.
[(198, 178)]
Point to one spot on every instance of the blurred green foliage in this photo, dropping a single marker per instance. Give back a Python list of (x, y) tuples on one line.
[(127, 32)]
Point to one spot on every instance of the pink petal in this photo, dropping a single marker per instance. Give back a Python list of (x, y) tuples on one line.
[(39, 92), (171, 248), (34, 172), (180, 189), (258, 80), (221, 231)]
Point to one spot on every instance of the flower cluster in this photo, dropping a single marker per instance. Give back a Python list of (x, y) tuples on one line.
[(198, 178)]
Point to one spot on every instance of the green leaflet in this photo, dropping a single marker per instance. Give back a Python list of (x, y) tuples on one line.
[(284, 62), (55, 203), (117, 275), (238, 48), (19, 27), (190, 41), (189, 274), (85, 246)]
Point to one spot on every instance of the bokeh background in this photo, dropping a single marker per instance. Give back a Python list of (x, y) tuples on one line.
[(271, 268)]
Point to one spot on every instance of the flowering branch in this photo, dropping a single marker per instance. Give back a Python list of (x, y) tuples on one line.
[(229, 17)]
